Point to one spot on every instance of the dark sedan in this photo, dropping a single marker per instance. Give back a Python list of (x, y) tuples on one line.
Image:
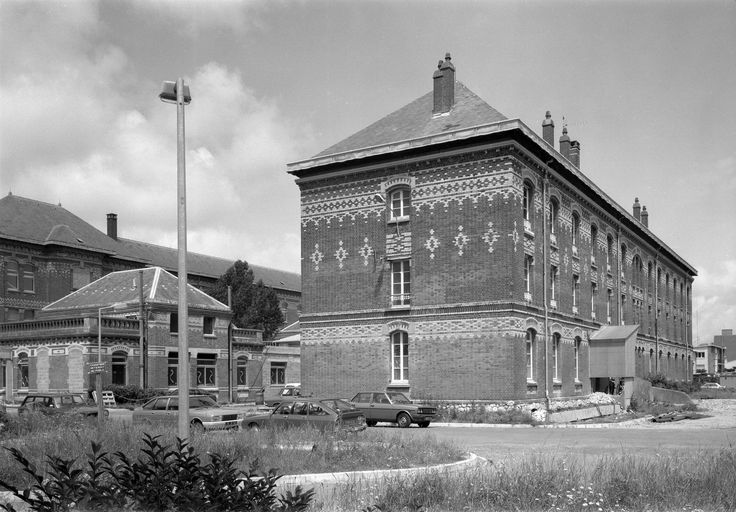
[(393, 407), (58, 403), (330, 415)]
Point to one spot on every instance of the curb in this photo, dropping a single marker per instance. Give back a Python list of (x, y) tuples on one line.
[(323, 482)]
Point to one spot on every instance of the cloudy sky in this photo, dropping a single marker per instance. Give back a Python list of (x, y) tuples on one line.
[(646, 87)]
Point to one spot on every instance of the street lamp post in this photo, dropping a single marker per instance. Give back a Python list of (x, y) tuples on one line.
[(177, 92)]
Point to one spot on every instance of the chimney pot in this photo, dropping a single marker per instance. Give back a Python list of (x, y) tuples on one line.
[(637, 209), (548, 129), (565, 143), (444, 86), (575, 153), (112, 225), (645, 216)]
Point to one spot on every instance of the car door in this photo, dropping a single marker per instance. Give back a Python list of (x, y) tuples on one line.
[(363, 402), (319, 417), (158, 413), (299, 414), (280, 417), (381, 408)]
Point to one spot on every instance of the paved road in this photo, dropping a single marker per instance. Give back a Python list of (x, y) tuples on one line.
[(714, 432)]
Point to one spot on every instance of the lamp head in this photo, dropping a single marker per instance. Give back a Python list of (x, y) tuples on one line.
[(168, 93)]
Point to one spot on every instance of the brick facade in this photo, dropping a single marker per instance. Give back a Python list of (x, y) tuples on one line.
[(467, 236)]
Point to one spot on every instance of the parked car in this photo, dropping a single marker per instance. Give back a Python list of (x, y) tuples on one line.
[(393, 407), (329, 415), (204, 413), (711, 385), (58, 403), (291, 390)]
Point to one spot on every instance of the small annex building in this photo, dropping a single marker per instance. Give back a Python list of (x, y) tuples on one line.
[(134, 313), (452, 253)]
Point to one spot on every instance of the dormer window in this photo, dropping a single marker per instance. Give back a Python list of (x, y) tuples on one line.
[(400, 204)]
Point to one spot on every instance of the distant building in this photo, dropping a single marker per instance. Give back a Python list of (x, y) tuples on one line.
[(53, 351), (709, 358), (47, 252), (450, 252), (727, 339)]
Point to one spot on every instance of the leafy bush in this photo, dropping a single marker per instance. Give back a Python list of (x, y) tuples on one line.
[(480, 413), (160, 479), (661, 381)]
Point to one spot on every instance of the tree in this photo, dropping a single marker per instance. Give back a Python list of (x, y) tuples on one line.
[(254, 305)]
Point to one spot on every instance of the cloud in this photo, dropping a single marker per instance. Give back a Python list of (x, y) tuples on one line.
[(714, 301), (72, 133)]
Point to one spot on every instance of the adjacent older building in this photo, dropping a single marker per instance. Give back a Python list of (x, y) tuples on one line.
[(47, 252), (452, 253), (129, 320)]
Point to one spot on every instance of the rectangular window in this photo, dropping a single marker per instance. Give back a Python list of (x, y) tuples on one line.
[(400, 348), (609, 297), (577, 360), (173, 323), (209, 326), (593, 299), (11, 276), (172, 374), (555, 356), (29, 280), (241, 373), (278, 374), (400, 283), (206, 366), (528, 266), (400, 204), (575, 290), (553, 286)]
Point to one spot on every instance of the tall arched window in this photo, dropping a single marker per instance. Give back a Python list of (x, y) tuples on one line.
[(554, 211), (119, 367), (593, 244), (527, 204), (556, 356), (609, 253), (400, 199), (241, 377), (575, 232), (400, 359), (530, 339), (578, 342), (23, 370), (623, 261)]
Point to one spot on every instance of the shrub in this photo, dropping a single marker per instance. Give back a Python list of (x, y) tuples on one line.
[(160, 479), (661, 381)]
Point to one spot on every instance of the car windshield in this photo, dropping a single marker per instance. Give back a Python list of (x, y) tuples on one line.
[(398, 398), (200, 402), (338, 405)]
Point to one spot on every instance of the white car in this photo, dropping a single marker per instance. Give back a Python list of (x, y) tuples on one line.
[(711, 385), (204, 413)]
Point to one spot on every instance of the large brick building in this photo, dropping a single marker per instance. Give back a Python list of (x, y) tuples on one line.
[(452, 253), (47, 252)]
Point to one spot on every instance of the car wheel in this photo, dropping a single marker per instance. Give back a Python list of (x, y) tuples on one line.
[(197, 427), (254, 426), (403, 420), (371, 423), (424, 424)]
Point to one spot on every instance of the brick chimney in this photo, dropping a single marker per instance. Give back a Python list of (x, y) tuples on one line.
[(444, 86), (565, 143), (645, 216), (112, 225), (548, 129), (575, 153), (636, 209)]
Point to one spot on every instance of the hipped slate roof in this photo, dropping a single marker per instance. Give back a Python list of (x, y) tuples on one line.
[(416, 120), (159, 288), (36, 222)]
